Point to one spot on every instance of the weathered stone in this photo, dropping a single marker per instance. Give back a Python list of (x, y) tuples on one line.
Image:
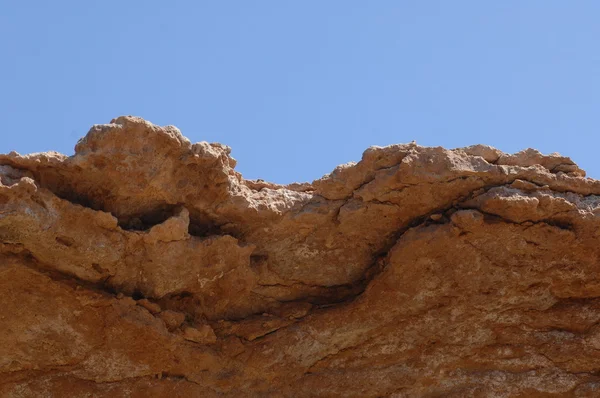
[(172, 319), (202, 334), (145, 265), (150, 306)]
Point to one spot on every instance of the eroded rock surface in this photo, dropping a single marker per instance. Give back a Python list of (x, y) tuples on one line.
[(145, 265)]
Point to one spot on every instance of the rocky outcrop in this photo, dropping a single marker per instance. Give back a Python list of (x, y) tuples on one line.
[(145, 265)]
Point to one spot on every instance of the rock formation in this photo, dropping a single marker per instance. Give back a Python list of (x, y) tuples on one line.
[(145, 266)]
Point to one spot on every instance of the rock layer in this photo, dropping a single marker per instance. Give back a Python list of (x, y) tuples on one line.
[(145, 265)]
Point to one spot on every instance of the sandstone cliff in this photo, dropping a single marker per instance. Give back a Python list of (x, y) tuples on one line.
[(145, 265)]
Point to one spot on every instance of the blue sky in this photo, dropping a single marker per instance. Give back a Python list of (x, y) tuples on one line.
[(298, 87)]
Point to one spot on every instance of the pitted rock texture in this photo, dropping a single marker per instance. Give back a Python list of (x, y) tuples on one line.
[(146, 266)]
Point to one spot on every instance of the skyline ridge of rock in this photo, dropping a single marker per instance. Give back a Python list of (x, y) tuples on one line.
[(145, 265)]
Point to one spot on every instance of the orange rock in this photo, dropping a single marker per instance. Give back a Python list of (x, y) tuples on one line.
[(172, 319), (203, 334), (150, 306), (145, 264)]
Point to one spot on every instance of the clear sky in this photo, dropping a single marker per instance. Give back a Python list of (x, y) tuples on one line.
[(298, 87)]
